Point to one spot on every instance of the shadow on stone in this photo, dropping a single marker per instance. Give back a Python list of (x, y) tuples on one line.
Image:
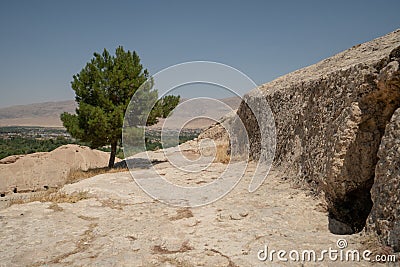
[(349, 216), (137, 163)]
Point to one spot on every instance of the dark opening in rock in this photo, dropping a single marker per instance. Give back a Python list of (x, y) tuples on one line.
[(46, 187), (349, 215), (2, 195), (15, 190), (354, 205)]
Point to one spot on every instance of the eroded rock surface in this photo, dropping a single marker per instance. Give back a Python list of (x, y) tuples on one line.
[(385, 215), (330, 118), (25, 173), (119, 225)]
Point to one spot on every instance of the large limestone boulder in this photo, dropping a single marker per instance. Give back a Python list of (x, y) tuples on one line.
[(330, 119), (385, 214), (25, 173)]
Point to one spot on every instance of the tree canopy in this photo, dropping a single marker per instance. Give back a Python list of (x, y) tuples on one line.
[(104, 88)]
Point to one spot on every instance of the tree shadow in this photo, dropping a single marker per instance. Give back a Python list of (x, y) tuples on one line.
[(137, 163)]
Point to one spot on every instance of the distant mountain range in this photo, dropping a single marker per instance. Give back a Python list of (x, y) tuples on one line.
[(47, 114)]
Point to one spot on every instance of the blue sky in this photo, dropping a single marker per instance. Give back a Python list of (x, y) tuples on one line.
[(43, 43)]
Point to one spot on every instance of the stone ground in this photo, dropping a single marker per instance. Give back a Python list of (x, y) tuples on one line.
[(119, 225)]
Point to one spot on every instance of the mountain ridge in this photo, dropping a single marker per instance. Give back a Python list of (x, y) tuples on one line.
[(47, 114)]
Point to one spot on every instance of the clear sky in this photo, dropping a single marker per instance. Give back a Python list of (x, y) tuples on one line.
[(43, 43)]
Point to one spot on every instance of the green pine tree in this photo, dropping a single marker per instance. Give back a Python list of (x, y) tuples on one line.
[(104, 88)]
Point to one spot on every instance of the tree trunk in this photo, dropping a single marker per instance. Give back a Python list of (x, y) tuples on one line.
[(112, 155)]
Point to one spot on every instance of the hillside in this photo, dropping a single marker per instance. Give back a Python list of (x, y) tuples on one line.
[(200, 109), (47, 114)]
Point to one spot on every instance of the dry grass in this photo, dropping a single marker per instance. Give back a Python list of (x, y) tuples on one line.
[(62, 197), (53, 196), (222, 155), (78, 175)]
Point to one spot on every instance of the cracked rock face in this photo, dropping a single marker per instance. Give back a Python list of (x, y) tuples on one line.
[(385, 215), (330, 119)]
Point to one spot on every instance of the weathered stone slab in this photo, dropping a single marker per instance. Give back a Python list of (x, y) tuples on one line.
[(330, 119), (385, 214)]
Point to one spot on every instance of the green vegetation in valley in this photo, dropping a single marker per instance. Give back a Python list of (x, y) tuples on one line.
[(26, 140), (20, 145)]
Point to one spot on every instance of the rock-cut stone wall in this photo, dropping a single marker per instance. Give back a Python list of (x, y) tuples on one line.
[(330, 119), (384, 218)]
